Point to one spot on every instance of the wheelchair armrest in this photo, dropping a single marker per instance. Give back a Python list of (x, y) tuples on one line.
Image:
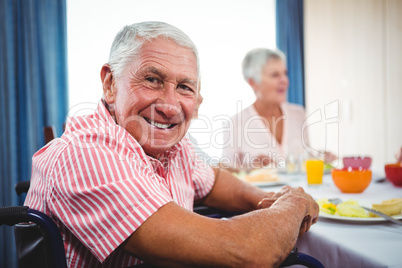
[(309, 261), (214, 212), (13, 215)]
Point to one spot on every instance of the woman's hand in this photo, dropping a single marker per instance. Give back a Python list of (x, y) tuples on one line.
[(329, 157)]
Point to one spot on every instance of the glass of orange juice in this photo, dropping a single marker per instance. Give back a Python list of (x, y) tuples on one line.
[(315, 171)]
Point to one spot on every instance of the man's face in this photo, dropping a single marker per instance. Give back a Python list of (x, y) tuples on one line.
[(200, 99), (155, 98)]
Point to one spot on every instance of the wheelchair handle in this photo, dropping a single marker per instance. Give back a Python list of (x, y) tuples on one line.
[(13, 215)]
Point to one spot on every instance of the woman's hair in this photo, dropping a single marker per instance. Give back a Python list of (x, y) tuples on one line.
[(130, 39), (256, 59)]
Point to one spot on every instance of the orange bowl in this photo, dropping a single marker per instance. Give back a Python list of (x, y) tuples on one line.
[(393, 172), (350, 180)]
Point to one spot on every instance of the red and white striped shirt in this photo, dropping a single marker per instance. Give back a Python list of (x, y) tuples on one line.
[(99, 186)]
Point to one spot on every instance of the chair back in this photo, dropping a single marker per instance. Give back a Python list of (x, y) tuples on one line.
[(22, 187), (49, 132)]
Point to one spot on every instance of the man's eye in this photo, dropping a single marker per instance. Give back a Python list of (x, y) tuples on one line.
[(153, 82), (186, 88), (152, 79)]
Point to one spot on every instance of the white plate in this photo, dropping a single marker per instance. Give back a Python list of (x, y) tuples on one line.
[(342, 218)]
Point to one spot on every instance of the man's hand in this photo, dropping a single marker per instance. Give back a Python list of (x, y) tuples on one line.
[(287, 192)]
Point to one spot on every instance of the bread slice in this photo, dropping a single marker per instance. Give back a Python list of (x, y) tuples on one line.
[(390, 207)]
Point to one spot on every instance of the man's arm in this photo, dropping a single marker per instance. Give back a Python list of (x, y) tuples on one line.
[(263, 237), (231, 194)]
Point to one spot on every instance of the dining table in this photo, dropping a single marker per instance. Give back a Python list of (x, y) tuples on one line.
[(344, 242)]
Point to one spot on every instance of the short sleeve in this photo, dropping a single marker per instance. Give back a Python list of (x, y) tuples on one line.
[(103, 196)]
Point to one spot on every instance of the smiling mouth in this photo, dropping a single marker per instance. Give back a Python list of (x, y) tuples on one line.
[(159, 125)]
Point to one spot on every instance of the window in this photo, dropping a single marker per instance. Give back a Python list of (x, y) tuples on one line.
[(224, 31)]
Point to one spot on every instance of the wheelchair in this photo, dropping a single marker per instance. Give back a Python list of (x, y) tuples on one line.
[(39, 242), (37, 238)]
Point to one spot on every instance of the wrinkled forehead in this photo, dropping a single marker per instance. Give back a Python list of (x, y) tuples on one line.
[(163, 55), (141, 42)]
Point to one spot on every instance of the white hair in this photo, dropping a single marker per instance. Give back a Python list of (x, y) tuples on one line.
[(256, 59), (130, 39)]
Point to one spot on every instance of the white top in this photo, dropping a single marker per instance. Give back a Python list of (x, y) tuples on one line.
[(246, 136)]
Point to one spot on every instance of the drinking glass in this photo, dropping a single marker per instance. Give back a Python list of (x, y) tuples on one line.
[(315, 171)]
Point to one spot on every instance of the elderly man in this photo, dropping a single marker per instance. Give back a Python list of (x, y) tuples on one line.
[(121, 183)]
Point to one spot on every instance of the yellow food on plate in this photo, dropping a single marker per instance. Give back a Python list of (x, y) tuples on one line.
[(348, 208), (326, 206), (351, 208), (390, 207)]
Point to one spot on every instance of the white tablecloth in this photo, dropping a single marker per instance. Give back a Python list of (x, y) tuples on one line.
[(352, 244)]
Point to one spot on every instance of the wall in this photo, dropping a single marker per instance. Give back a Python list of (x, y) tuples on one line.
[(393, 76), (353, 61)]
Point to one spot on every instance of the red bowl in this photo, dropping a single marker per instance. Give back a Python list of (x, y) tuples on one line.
[(357, 162), (393, 172)]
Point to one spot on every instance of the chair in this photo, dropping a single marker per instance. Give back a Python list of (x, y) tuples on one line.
[(49, 133), (293, 258), (22, 187), (39, 244)]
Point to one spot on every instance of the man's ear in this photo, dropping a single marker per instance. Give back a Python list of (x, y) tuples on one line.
[(108, 84)]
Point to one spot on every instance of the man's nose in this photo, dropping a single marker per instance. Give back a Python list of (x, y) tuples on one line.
[(168, 103)]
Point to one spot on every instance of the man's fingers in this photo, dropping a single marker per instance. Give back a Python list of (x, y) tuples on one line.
[(305, 226), (315, 220), (265, 203)]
